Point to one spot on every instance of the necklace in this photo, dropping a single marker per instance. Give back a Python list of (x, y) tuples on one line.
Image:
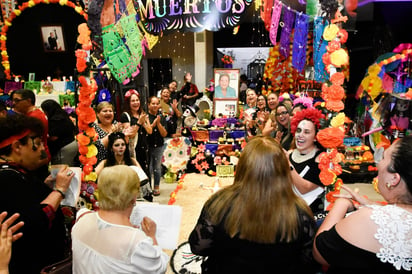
[(299, 158)]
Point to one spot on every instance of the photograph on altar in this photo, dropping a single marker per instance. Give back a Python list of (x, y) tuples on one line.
[(225, 107), (226, 83), (250, 61), (53, 39)]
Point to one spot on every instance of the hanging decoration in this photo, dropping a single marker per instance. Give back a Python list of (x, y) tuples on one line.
[(86, 115), (285, 36), (266, 13), (17, 12), (273, 31), (300, 41)]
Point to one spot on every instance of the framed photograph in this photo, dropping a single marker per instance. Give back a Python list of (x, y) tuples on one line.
[(52, 38), (225, 107), (32, 76), (226, 83)]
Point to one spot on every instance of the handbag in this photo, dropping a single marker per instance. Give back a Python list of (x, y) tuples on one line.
[(62, 267)]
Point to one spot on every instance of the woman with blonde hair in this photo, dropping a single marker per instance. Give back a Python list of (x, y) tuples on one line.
[(258, 224), (106, 241)]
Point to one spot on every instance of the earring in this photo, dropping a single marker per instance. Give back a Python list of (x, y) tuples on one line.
[(388, 186)]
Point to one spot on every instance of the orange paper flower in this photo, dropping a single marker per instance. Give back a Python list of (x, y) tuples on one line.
[(335, 105), (327, 177), (336, 92), (330, 137)]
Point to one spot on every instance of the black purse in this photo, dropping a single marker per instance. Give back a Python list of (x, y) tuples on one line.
[(62, 267)]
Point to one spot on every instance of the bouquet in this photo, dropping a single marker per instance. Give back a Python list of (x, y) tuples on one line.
[(226, 59)]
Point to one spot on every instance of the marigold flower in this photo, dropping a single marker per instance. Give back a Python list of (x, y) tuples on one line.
[(330, 137)]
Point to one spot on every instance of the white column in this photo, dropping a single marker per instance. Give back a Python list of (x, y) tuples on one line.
[(200, 60)]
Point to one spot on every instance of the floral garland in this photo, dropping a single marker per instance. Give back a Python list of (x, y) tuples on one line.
[(8, 23), (332, 133), (86, 116)]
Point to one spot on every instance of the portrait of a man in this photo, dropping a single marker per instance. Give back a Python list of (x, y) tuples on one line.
[(53, 38)]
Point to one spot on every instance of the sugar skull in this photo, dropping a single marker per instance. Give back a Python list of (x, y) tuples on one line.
[(176, 154)]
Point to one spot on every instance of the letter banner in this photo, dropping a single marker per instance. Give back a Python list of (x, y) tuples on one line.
[(166, 16)]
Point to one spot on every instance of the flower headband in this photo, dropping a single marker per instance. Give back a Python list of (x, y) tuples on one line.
[(305, 101), (311, 114), (130, 92)]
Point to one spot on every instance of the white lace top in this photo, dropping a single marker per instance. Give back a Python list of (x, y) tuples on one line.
[(394, 233)]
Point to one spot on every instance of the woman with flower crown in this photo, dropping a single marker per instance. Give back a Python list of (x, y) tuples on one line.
[(304, 159), (134, 118)]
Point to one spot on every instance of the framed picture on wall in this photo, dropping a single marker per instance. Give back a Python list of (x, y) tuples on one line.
[(225, 107), (52, 38), (226, 83)]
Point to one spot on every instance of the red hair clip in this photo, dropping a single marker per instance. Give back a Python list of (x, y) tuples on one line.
[(130, 92)]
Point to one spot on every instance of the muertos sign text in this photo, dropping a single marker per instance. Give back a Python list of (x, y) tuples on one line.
[(190, 15)]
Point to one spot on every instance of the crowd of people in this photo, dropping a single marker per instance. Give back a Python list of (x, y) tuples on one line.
[(262, 223)]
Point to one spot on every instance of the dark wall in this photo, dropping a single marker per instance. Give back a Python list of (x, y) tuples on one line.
[(25, 44)]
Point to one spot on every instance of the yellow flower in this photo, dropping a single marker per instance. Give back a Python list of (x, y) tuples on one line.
[(31, 3), (63, 2), (92, 176), (91, 151), (330, 32), (339, 58), (338, 120), (4, 52), (17, 12), (8, 23), (78, 9)]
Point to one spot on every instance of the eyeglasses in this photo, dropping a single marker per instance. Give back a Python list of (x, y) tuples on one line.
[(16, 100), (282, 113), (36, 144)]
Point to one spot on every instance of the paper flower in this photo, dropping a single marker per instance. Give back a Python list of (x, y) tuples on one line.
[(330, 137), (338, 120), (330, 32)]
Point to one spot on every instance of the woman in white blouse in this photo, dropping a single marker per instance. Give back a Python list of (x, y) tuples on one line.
[(106, 241)]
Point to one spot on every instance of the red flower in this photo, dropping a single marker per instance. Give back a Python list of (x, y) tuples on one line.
[(311, 113)]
